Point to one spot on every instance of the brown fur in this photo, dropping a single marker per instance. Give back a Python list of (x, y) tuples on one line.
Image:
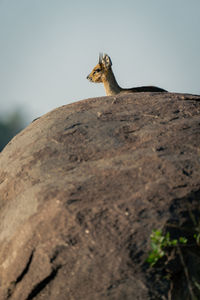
[(102, 73)]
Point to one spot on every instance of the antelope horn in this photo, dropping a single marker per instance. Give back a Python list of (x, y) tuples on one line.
[(100, 57)]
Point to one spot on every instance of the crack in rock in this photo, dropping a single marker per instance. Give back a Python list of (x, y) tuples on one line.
[(26, 269), (13, 284), (42, 284)]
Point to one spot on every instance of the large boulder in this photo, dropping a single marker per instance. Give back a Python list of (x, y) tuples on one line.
[(81, 190)]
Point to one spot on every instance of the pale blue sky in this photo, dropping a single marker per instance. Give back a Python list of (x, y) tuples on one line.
[(48, 47)]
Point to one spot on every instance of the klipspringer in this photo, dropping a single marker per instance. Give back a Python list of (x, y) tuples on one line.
[(102, 73)]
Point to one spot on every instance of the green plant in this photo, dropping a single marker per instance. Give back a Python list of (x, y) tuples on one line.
[(159, 243), (196, 223), (197, 238), (162, 245)]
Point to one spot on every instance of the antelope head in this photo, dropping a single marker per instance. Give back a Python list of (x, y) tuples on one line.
[(101, 70)]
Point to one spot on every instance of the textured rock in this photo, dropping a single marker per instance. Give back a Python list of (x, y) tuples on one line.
[(81, 189)]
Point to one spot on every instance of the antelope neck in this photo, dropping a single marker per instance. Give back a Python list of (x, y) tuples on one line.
[(110, 84)]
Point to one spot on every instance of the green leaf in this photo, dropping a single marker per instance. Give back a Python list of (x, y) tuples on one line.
[(182, 240), (174, 242)]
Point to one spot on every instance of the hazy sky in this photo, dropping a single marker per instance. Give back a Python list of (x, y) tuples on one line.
[(48, 47)]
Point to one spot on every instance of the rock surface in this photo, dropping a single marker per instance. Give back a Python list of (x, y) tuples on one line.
[(81, 189)]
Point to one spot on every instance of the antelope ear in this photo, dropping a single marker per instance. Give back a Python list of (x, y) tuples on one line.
[(106, 61)]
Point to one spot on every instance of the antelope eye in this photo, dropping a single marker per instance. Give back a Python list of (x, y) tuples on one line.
[(96, 71)]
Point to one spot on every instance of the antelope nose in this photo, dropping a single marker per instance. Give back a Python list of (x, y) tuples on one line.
[(88, 77)]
